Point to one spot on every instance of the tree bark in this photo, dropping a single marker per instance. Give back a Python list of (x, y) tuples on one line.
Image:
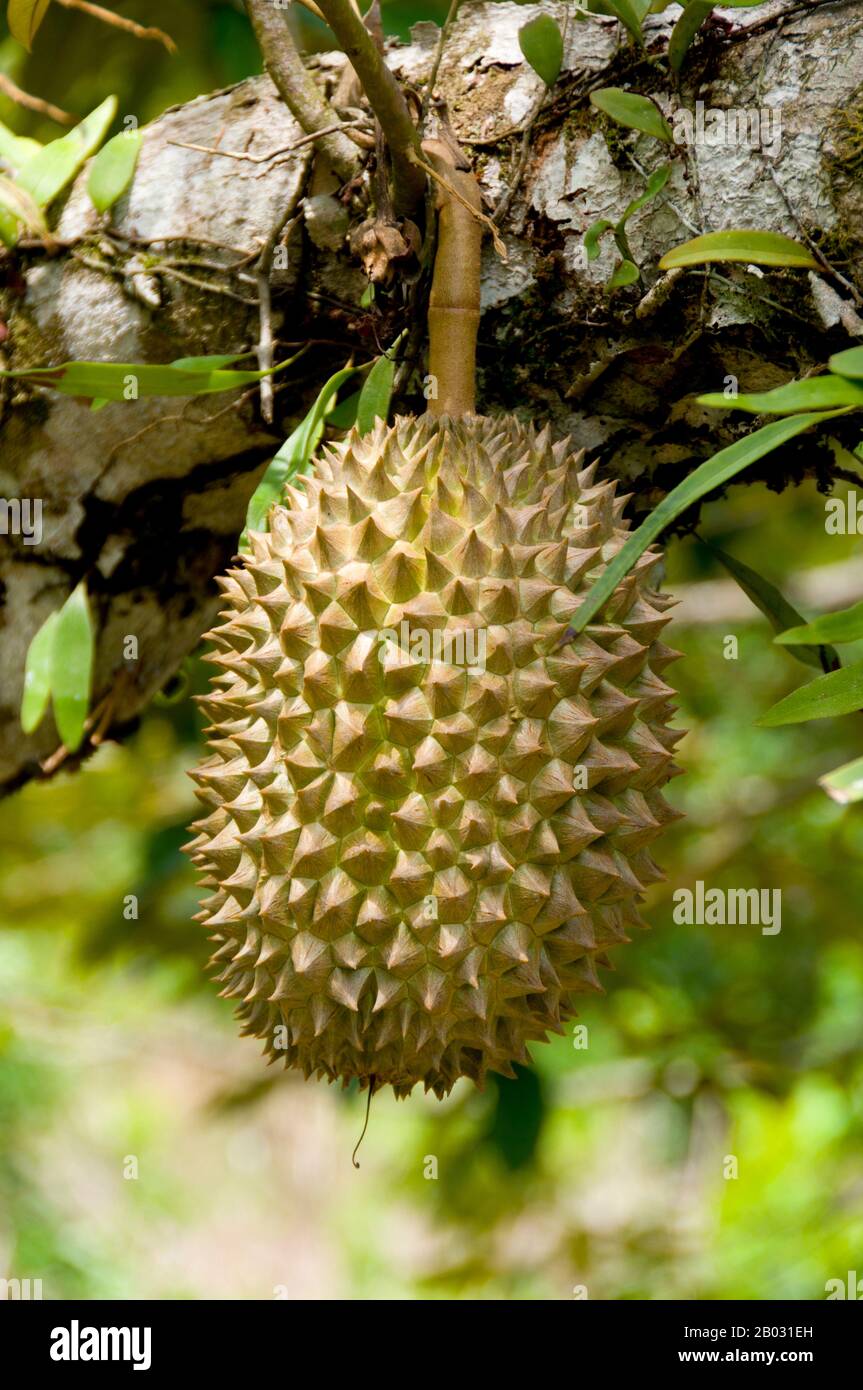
[(147, 498)]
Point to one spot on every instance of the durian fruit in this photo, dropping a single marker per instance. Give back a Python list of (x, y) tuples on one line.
[(429, 806), (417, 862)]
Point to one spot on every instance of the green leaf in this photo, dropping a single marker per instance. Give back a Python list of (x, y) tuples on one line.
[(112, 169), (845, 783), (848, 363), (751, 247), (215, 362), (593, 235), (816, 393), (296, 452), (24, 18), (630, 109), (630, 13), (344, 414), (655, 184), (374, 402), (49, 171), (624, 273), (37, 676), (845, 625), (773, 605), (541, 43), (707, 476), (685, 30), (72, 667), (119, 381), (827, 697), (23, 211), (16, 150)]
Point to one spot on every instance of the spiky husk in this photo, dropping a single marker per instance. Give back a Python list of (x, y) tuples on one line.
[(417, 865)]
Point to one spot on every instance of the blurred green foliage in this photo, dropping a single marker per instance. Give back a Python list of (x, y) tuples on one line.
[(603, 1166)]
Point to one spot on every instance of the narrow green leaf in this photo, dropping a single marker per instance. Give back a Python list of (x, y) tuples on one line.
[(775, 607), (655, 184), (541, 43), (49, 171), (215, 362), (816, 393), (24, 18), (685, 30), (845, 625), (22, 209), (37, 676), (707, 476), (374, 402), (119, 381), (624, 273), (112, 170), (593, 236), (296, 452), (848, 363), (750, 247), (72, 667), (844, 784), (827, 697), (344, 415), (632, 110)]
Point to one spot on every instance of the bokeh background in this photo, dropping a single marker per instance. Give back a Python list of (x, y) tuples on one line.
[(147, 1152)]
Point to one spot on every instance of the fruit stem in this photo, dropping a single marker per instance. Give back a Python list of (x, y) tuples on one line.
[(453, 316)]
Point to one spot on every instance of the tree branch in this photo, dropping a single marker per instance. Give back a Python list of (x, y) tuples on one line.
[(297, 88), (386, 100)]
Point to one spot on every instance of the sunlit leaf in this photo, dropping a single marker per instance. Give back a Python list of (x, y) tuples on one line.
[(685, 30), (844, 784), (72, 667), (845, 625), (775, 607), (541, 43), (16, 150), (750, 247), (24, 18), (630, 13), (22, 209), (56, 164), (816, 393), (37, 676), (374, 402), (213, 362), (706, 478), (827, 697), (112, 170), (630, 109)]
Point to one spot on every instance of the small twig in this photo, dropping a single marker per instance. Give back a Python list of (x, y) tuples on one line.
[(119, 22), (816, 251), (297, 88), (262, 276), (31, 103), (499, 246), (428, 91), (386, 99), (201, 284), (116, 235), (271, 154)]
